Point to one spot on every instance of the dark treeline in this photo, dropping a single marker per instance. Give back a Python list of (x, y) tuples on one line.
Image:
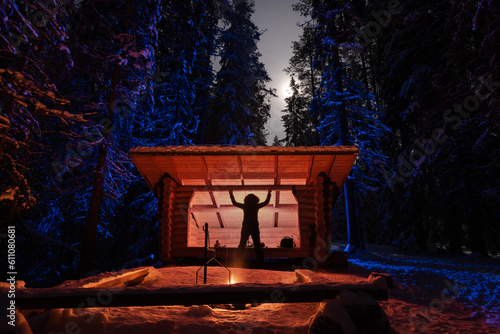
[(415, 85)]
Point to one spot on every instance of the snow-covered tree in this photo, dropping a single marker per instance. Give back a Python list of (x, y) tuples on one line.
[(35, 115), (342, 104), (119, 38), (241, 107)]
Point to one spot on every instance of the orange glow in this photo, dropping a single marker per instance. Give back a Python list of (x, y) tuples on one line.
[(277, 220)]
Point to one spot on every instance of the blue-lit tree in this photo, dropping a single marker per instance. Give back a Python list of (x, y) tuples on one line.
[(74, 68), (34, 114), (40, 126), (184, 75), (112, 49), (347, 111)]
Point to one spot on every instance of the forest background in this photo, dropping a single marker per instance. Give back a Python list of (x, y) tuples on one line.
[(413, 84)]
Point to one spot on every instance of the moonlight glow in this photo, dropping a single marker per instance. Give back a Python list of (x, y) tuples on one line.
[(285, 90)]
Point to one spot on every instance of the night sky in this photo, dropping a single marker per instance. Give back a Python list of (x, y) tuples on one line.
[(280, 23)]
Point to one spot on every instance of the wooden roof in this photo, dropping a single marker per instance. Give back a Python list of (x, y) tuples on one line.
[(243, 165)]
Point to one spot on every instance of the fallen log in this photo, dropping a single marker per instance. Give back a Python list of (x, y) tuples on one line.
[(128, 279), (192, 295)]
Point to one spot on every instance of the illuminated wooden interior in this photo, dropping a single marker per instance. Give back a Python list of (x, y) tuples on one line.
[(192, 184), (276, 220)]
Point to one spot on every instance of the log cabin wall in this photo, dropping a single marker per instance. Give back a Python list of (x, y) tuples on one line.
[(166, 204), (307, 220), (325, 197), (180, 220)]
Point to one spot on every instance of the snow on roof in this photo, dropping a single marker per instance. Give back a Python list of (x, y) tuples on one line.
[(241, 150)]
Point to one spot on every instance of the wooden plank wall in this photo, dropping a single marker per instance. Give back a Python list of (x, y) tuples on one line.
[(307, 221)]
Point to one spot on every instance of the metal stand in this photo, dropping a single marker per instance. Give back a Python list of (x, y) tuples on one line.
[(205, 228)]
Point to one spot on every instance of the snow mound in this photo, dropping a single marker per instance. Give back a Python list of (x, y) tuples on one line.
[(199, 310), (350, 313)]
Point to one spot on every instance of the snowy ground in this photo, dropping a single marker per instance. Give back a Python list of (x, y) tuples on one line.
[(438, 294), (431, 295), (265, 318)]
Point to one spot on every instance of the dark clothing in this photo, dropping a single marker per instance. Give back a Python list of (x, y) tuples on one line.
[(251, 210), (255, 233), (250, 226)]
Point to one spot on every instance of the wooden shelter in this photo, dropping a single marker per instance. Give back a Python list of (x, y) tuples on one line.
[(192, 184)]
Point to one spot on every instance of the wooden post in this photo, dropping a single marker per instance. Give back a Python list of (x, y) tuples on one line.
[(205, 228), (166, 198), (320, 251)]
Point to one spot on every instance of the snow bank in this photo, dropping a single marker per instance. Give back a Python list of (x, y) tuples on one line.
[(431, 291), (265, 318), (350, 313)]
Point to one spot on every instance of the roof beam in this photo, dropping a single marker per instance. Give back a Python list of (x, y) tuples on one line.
[(331, 166), (240, 167), (219, 217), (214, 201), (240, 188), (311, 162), (209, 208), (208, 179)]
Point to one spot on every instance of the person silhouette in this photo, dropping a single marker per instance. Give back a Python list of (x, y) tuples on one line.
[(250, 225)]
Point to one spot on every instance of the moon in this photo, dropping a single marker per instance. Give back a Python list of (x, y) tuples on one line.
[(285, 89)]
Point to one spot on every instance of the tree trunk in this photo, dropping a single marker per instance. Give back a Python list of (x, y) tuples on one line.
[(452, 223), (472, 215), (99, 178), (353, 232)]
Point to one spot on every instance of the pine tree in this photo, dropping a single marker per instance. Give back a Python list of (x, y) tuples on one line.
[(308, 80), (347, 111), (296, 120), (63, 68), (434, 84), (175, 121), (277, 141), (207, 14), (241, 106), (123, 60)]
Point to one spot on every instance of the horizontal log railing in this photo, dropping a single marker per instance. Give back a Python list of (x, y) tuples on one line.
[(191, 295)]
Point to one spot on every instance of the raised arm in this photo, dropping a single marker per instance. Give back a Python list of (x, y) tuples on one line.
[(266, 202), (239, 205)]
